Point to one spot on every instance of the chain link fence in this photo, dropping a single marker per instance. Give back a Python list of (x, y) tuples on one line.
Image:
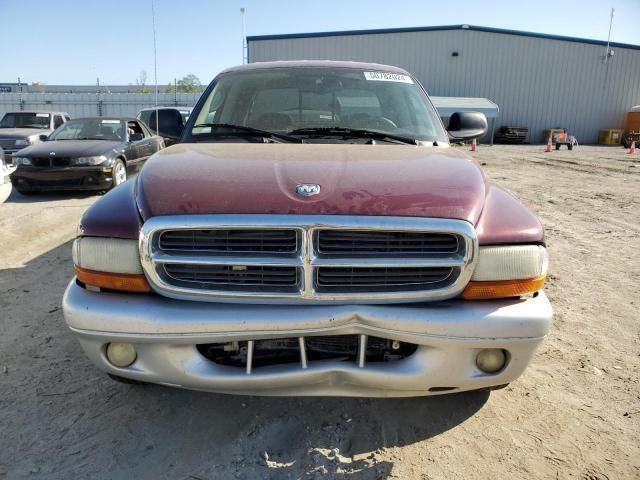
[(92, 104)]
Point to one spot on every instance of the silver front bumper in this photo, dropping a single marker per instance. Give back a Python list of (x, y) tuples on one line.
[(448, 334)]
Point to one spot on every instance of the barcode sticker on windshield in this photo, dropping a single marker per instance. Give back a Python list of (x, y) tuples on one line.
[(110, 121), (387, 77), (42, 115)]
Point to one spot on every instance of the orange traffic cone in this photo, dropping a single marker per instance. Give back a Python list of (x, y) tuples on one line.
[(474, 146), (548, 147), (632, 148)]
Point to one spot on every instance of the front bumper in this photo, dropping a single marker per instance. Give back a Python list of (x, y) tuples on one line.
[(62, 178), (449, 335)]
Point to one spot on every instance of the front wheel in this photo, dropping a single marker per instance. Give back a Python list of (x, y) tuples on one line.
[(119, 173)]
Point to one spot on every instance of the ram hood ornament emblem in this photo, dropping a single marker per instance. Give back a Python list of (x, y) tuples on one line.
[(307, 189)]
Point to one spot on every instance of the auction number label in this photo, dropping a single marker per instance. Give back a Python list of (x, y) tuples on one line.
[(387, 77)]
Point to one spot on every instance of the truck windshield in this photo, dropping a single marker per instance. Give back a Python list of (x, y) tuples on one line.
[(26, 120), (319, 104)]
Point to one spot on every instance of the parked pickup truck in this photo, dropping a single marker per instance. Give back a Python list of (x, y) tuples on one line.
[(21, 129), (313, 233)]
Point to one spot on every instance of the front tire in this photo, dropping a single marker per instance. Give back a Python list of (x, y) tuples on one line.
[(119, 173)]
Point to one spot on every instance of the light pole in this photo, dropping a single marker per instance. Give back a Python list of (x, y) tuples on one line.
[(155, 60), (244, 43), (609, 52)]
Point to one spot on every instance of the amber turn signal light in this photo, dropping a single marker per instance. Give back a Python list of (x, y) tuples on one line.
[(502, 288), (113, 281)]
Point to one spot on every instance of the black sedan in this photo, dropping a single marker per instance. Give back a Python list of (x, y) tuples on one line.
[(85, 154)]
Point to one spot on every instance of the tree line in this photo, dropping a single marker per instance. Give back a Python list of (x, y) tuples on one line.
[(187, 84)]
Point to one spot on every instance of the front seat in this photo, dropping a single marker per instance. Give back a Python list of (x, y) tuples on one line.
[(90, 130), (272, 121), (169, 122)]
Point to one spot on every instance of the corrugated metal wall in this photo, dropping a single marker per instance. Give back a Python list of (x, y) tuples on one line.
[(90, 105), (537, 82)]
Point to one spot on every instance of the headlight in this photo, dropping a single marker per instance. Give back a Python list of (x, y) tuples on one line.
[(22, 142), (507, 271), (21, 161), (110, 263), (88, 160)]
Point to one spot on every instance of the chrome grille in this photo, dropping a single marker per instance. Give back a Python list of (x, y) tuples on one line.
[(230, 241), (291, 258), (358, 242)]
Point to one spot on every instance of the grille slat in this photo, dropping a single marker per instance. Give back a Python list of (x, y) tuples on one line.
[(390, 278), (224, 276), (230, 241), (350, 242)]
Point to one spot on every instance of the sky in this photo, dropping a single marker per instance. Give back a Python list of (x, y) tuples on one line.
[(75, 42)]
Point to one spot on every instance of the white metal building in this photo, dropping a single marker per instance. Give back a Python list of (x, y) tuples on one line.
[(538, 81)]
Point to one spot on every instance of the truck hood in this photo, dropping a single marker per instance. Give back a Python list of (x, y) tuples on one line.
[(232, 178), (23, 132), (72, 148)]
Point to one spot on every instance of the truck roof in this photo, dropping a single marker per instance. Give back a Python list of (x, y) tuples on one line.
[(165, 107), (317, 64), (127, 119), (53, 112)]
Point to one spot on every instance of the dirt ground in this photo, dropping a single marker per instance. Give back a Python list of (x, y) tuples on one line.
[(575, 413)]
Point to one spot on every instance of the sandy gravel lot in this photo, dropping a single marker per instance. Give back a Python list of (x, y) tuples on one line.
[(574, 414)]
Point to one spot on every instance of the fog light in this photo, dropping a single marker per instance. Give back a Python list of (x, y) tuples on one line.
[(121, 354), (491, 360)]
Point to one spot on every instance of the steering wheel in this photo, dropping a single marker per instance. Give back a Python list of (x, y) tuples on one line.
[(364, 120), (385, 122)]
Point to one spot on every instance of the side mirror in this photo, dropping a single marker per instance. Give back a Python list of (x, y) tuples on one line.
[(43, 138), (136, 137), (467, 125)]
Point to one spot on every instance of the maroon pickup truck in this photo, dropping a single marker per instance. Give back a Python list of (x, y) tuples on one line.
[(312, 234)]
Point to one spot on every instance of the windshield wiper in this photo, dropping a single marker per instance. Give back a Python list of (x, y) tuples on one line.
[(254, 132), (353, 133)]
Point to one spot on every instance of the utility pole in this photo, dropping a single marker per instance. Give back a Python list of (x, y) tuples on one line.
[(244, 39), (99, 99), (20, 94)]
